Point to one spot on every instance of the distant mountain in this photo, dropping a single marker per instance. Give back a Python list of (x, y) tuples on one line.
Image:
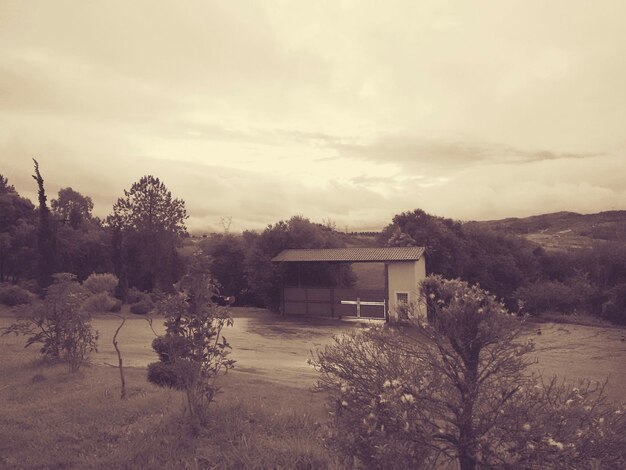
[(564, 230)]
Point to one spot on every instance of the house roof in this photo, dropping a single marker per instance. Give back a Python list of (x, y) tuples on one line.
[(350, 255)]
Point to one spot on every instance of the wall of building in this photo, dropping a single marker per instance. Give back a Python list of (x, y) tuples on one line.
[(405, 277)]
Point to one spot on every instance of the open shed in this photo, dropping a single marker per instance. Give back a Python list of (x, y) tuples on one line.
[(405, 267)]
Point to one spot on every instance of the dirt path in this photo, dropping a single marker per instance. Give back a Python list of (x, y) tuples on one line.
[(263, 344), (277, 349)]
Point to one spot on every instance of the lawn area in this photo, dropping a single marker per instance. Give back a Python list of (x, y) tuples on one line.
[(52, 420), (265, 417)]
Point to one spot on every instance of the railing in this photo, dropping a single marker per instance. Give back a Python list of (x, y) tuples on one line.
[(333, 302), (358, 302)]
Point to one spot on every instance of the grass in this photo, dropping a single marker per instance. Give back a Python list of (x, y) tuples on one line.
[(52, 419)]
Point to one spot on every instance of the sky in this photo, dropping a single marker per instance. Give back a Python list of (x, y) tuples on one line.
[(342, 111)]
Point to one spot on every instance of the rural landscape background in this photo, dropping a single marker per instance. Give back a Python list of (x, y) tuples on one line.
[(156, 156)]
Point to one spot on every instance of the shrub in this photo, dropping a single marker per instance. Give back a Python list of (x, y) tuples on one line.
[(193, 352), (575, 294), (614, 309), (134, 295), (101, 283), (455, 392), (117, 306), (12, 295), (142, 307), (60, 325), (101, 302)]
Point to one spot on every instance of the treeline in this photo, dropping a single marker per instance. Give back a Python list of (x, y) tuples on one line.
[(144, 242), (524, 275)]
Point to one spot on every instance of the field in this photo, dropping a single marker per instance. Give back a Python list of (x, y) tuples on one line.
[(266, 416)]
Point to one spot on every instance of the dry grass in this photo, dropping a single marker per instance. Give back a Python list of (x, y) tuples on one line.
[(51, 420)]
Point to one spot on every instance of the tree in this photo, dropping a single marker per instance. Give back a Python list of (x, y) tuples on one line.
[(85, 249), (498, 262), (265, 278), (147, 224), (17, 234), (455, 391), (193, 352), (46, 249), (72, 207), (60, 324), (5, 187), (227, 262)]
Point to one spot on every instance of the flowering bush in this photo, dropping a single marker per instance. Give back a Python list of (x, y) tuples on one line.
[(455, 392)]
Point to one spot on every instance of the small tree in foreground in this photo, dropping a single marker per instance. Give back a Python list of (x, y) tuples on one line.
[(60, 323), (455, 392), (193, 352)]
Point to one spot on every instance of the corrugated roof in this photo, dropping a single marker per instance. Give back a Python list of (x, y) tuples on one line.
[(351, 255)]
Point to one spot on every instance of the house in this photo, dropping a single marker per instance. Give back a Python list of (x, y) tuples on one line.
[(405, 268)]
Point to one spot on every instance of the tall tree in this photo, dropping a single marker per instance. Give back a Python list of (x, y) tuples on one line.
[(72, 207), (5, 187), (17, 227), (147, 224), (46, 249)]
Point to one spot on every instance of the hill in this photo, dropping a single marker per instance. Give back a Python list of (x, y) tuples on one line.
[(563, 230)]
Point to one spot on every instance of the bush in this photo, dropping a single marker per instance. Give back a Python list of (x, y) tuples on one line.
[(101, 302), (142, 307), (134, 295), (12, 295), (455, 393), (101, 283), (193, 352), (117, 306), (575, 294), (614, 309), (60, 325)]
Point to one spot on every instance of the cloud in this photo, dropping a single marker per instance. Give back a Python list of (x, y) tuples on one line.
[(415, 152), (350, 110)]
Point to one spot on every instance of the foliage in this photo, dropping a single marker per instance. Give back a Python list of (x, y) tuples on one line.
[(149, 206), (142, 307), (12, 295), (193, 352), (614, 308), (83, 250), (5, 187), (101, 283), (46, 246), (60, 324), (72, 207), (147, 224), (455, 391), (499, 263), (101, 302), (266, 278), (134, 295), (573, 295), (17, 234), (227, 262)]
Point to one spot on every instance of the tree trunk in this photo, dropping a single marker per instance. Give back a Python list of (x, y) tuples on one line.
[(119, 360)]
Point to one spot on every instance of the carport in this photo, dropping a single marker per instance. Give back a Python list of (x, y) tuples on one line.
[(405, 267)]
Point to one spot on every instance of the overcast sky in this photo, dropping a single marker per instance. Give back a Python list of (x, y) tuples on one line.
[(345, 110)]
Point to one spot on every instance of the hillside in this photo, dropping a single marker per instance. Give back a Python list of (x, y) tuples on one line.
[(564, 230)]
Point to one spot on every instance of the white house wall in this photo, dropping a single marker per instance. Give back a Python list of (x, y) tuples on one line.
[(405, 276)]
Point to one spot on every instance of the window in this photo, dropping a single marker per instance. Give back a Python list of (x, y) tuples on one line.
[(402, 298)]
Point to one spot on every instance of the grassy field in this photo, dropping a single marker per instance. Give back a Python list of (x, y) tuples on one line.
[(266, 416), (55, 420)]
